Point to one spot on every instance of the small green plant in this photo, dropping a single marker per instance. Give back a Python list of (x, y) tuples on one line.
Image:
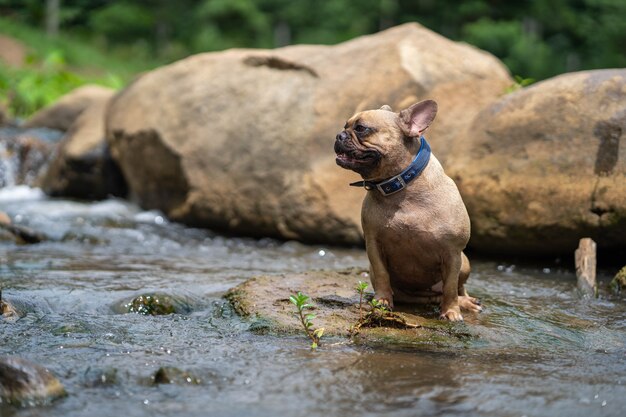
[(520, 82), (360, 288), (379, 314), (300, 301), (378, 306)]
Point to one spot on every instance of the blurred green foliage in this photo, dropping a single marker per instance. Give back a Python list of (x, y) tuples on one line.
[(534, 38), (40, 82), (54, 67)]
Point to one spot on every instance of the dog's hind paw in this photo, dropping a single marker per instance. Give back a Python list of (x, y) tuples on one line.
[(468, 303)]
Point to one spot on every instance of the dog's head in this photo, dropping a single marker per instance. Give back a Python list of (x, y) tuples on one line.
[(379, 143)]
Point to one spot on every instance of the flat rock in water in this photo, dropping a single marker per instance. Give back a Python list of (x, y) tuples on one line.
[(265, 301)]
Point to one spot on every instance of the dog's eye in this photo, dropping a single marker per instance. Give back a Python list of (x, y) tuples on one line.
[(360, 129)]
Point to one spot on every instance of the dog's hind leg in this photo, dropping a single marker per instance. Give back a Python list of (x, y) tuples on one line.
[(465, 301)]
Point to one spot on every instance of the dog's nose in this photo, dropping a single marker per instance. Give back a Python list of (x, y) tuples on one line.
[(342, 136)]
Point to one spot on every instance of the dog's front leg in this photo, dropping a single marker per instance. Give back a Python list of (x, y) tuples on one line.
[(379, 275), (450, 268)]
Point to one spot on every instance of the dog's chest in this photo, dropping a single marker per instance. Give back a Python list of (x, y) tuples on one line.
[(404, 232)]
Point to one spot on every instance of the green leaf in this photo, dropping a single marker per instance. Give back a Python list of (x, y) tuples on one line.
[(318, 332)]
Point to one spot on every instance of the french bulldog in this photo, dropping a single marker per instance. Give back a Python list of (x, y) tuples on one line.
[(414, 221)]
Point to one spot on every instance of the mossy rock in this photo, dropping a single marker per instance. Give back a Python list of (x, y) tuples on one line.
[(618, 282), (265, 302), (154, 304)]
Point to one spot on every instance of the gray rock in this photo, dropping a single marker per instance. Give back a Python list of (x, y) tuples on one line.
[(23, 383)]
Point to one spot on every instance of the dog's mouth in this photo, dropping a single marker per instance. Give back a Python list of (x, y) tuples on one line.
[(356, 159)]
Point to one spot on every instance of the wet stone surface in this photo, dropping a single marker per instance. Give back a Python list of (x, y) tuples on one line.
[(335, 303)]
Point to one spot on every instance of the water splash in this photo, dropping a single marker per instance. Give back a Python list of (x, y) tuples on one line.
[(25, 154)]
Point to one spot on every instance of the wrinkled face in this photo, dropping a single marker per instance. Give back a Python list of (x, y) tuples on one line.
[(369, 142)]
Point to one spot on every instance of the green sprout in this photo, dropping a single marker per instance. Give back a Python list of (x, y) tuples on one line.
[(360, 288), (300, 301), (379, 306)]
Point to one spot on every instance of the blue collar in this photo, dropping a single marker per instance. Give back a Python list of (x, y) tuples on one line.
[(399, 182)]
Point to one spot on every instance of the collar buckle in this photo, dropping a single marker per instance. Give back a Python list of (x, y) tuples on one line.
[(391, 186)]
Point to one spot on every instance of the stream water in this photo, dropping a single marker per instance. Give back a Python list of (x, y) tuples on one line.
[(542, 351)]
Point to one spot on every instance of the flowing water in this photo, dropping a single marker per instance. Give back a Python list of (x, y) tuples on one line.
[(542, 351)]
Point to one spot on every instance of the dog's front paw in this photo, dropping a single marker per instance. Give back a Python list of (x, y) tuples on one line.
[(384, 299), (451, 314)]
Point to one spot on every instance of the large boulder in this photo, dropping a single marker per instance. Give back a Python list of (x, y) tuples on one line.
[(541, 168), (63, 113), (82, 166), (242, 140)]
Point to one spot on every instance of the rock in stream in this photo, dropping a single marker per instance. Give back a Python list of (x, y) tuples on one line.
[(23, 383), (265, 301)]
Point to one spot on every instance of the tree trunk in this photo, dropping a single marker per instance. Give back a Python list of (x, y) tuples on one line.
[(52, 17)]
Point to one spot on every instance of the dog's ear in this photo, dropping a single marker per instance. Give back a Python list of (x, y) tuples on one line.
[(386, 108), (416, 119)]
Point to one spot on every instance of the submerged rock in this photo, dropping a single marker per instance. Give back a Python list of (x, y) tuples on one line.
[(19, 234), (172, 375), (265, 301), (100, 377), (242, 140), (23, 383), (155, 304), (543, 167)]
